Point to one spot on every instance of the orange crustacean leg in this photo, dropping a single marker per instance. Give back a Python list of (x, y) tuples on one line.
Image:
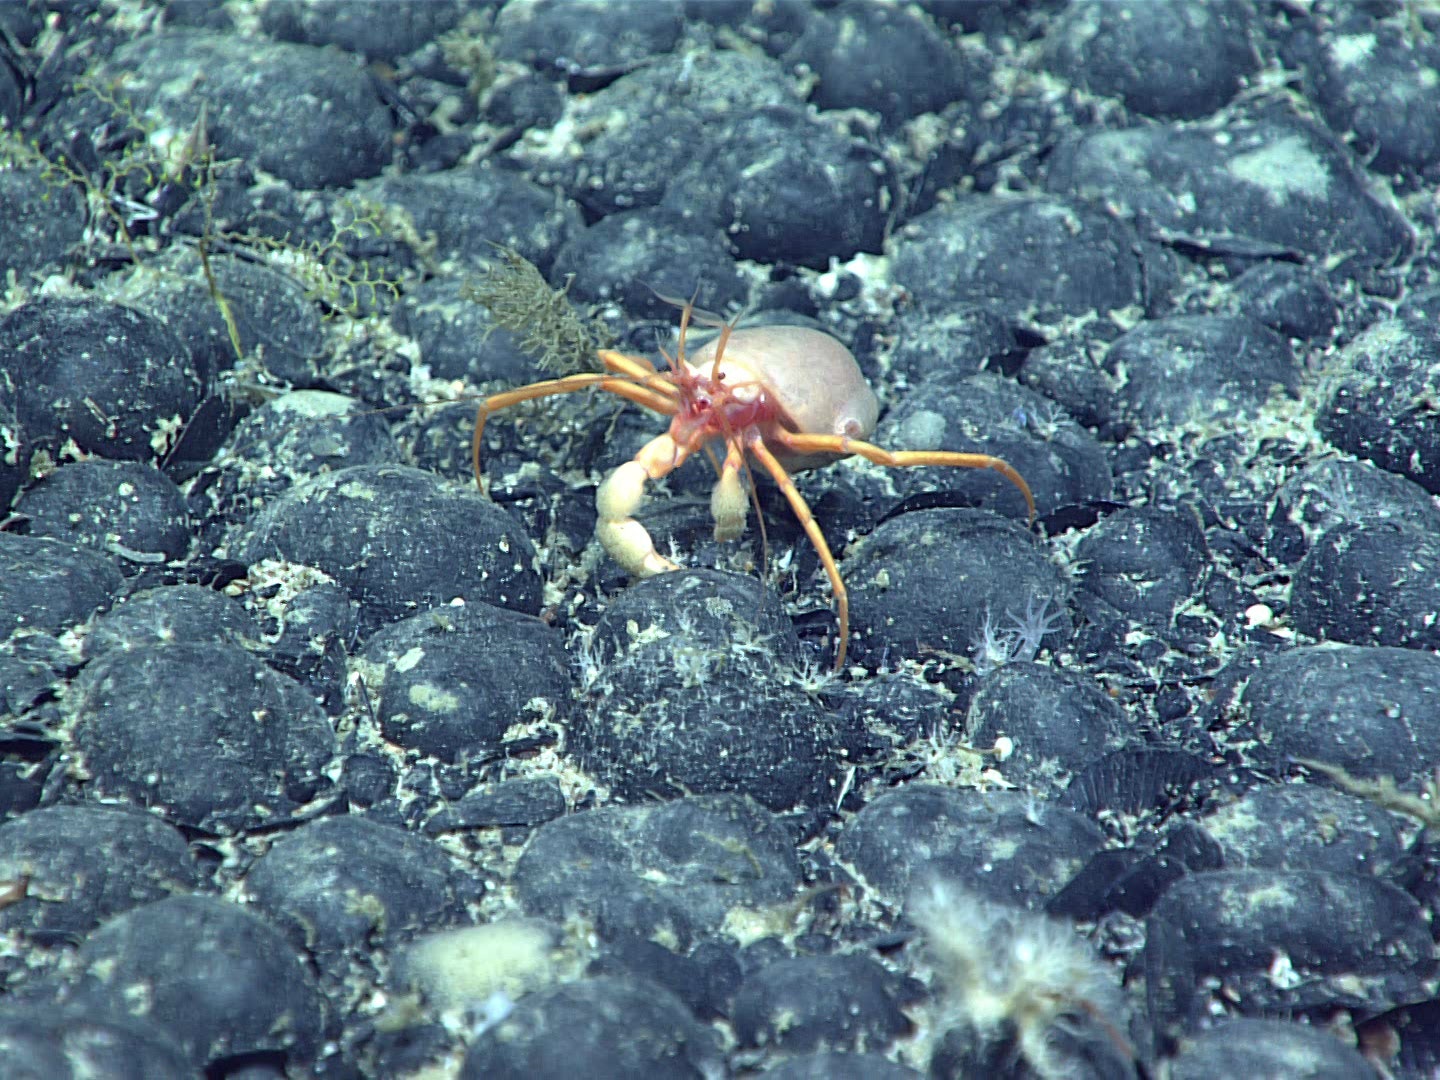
[(801, 509), (639, 369), (841, 444), (650, 394)]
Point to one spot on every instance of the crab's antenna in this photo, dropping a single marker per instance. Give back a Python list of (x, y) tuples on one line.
[(715, 322), (689, 313), (685, 312), (703, 317), (724, 340), (726, 329)]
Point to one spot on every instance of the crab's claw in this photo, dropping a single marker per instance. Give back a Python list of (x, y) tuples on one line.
[(621, 494)]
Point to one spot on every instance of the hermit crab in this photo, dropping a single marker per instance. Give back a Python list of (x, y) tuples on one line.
[(786, 397)]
